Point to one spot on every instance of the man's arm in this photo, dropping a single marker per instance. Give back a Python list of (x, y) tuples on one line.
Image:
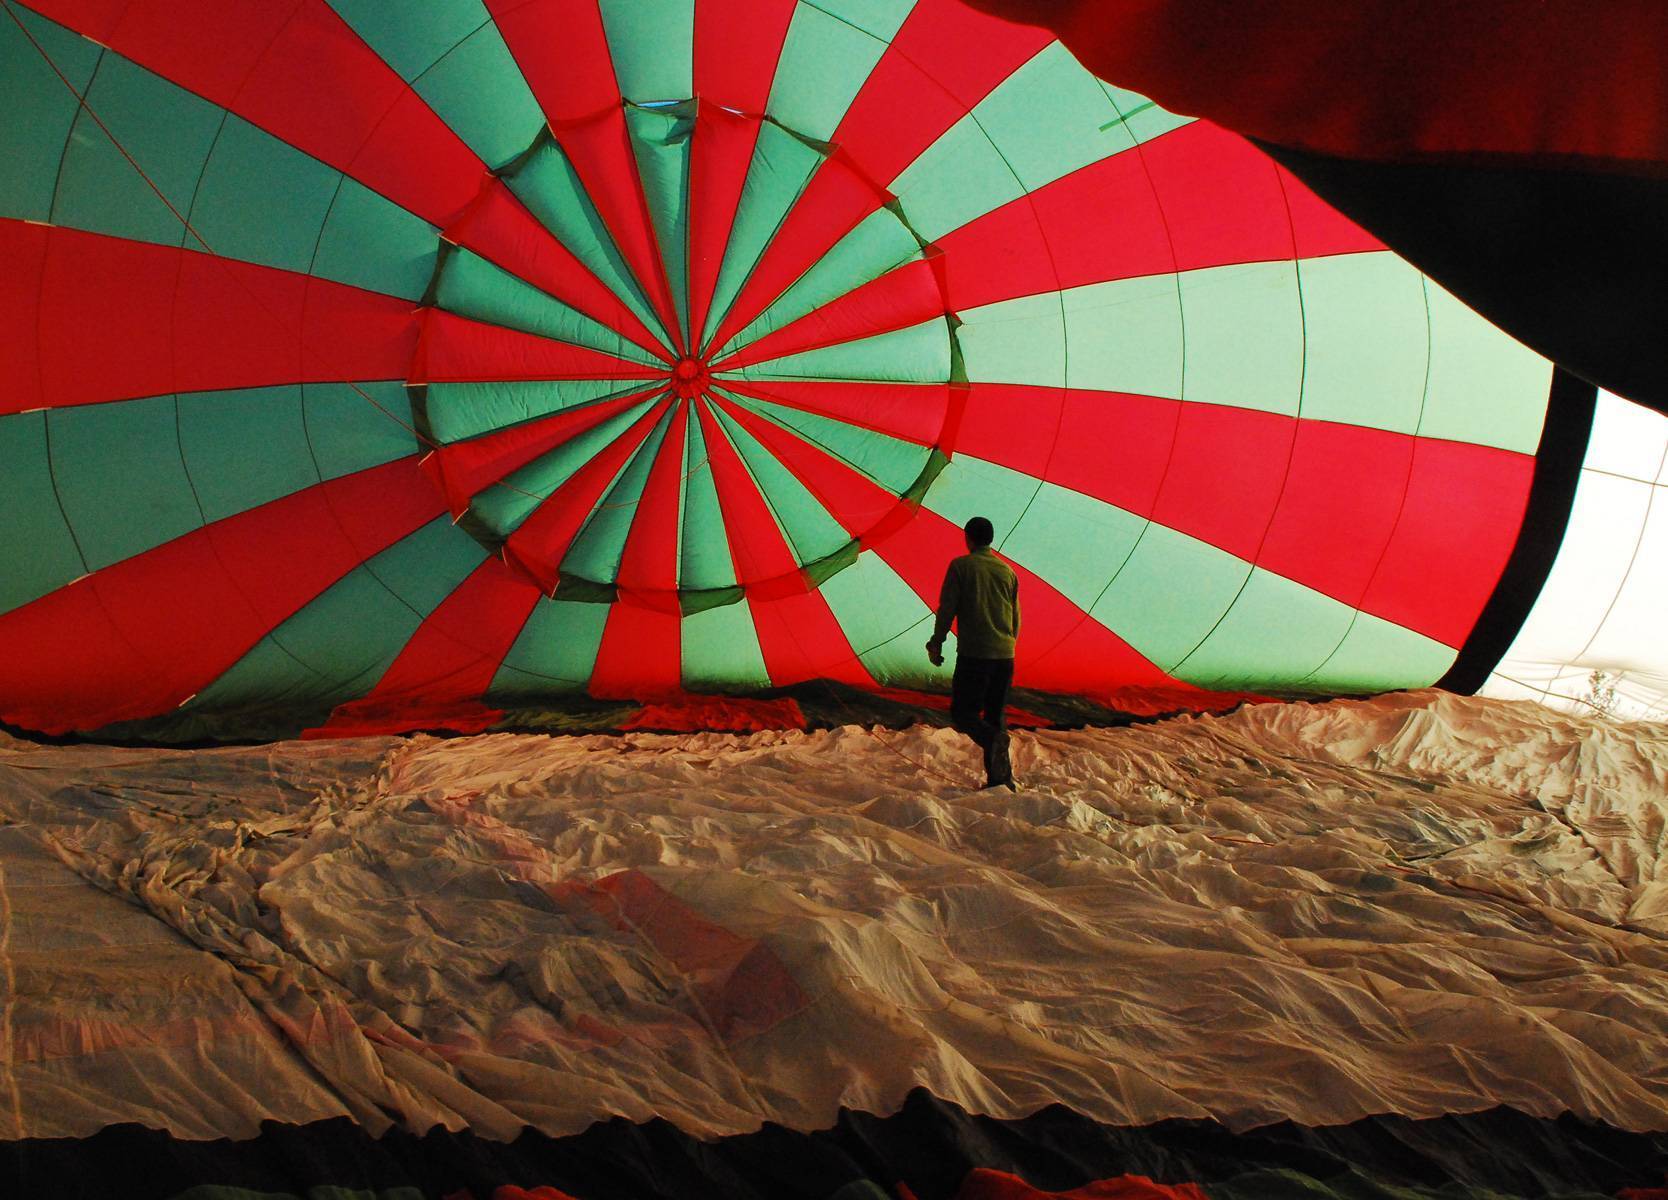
[(949, 597)]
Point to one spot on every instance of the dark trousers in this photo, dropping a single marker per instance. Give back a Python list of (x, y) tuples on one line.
[(979, 697)]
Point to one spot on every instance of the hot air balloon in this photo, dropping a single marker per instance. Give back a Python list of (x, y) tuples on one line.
[(625, 366), (378, 372)]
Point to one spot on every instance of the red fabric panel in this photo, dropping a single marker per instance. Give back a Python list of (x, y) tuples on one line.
[(264, 62), (1391, 79), (720, 154), (462, 469), (798, 635), (143, 635), (851, 498), (835, 200), (737, 46), (1457, 529), (456, 349), (1192, 174), (540, 541), (1342, 497), (649, 561), (898, 299), (1169, 216), (914, 412), (1110, 445), (740, 714), (114, 319), (600, 151), (1333, 507), (985, 1184), (942, 62), (449, 662), (1225, 474), (23, 250), (641, 655), (497, 226), (561, 47)]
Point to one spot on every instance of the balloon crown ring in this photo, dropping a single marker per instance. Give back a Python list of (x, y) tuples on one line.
[(690, 377)]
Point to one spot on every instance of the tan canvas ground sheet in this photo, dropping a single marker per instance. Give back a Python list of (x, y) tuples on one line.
[(1418, 904)]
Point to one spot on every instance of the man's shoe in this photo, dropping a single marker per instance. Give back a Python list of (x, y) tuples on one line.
[(997, 766)]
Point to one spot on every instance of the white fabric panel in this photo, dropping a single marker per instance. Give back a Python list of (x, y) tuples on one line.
[(1604, 608)]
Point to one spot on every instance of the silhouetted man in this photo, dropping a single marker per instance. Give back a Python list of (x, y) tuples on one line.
[(981, 598)]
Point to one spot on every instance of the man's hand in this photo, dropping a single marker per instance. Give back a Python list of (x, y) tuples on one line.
[(935, 653)]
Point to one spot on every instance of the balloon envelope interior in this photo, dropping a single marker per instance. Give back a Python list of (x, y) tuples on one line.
[(390, 369)]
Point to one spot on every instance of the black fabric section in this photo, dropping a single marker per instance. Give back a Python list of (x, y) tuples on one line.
[(1569, 424), (930, 1145), (1572, 261)]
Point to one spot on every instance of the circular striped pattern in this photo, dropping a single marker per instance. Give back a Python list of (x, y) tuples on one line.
[(584, 484), (378, 369)]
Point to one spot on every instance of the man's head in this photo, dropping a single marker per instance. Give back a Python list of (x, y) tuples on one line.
[(980, 533)]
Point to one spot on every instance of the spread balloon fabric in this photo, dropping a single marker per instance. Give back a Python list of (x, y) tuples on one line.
[(391, 370)]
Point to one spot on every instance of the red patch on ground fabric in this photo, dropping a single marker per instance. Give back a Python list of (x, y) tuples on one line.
[(733, 714), (985, 1184), (738, 983)]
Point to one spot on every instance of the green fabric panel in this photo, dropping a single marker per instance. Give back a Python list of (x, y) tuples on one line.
[(653, 46), (1125, 336), (1484, 387), (891, 462), (824, 61), (1244, 336), (423, 569), (596, 551), (660, 141), (1144, 119), (479, 91), (879, 17), (704, 551), (349, 433), (166, 129), (1367, 340), (721, 651), (960, 176), (409, 45), (810, 531), (1051, 117), (261, 200), (507, 507), (40, 110), (119, 513), (547, 184), (371, 242), (246, 447), (483, 291), (1076, 542), (338, 645), (971, 487), (879, 243), (556, 650), (1015, 341), (1169, 593), (459, 411), (778, 172), (1378, 656), (918, 354), (1275, 635), (35, 541), (887, 624)]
